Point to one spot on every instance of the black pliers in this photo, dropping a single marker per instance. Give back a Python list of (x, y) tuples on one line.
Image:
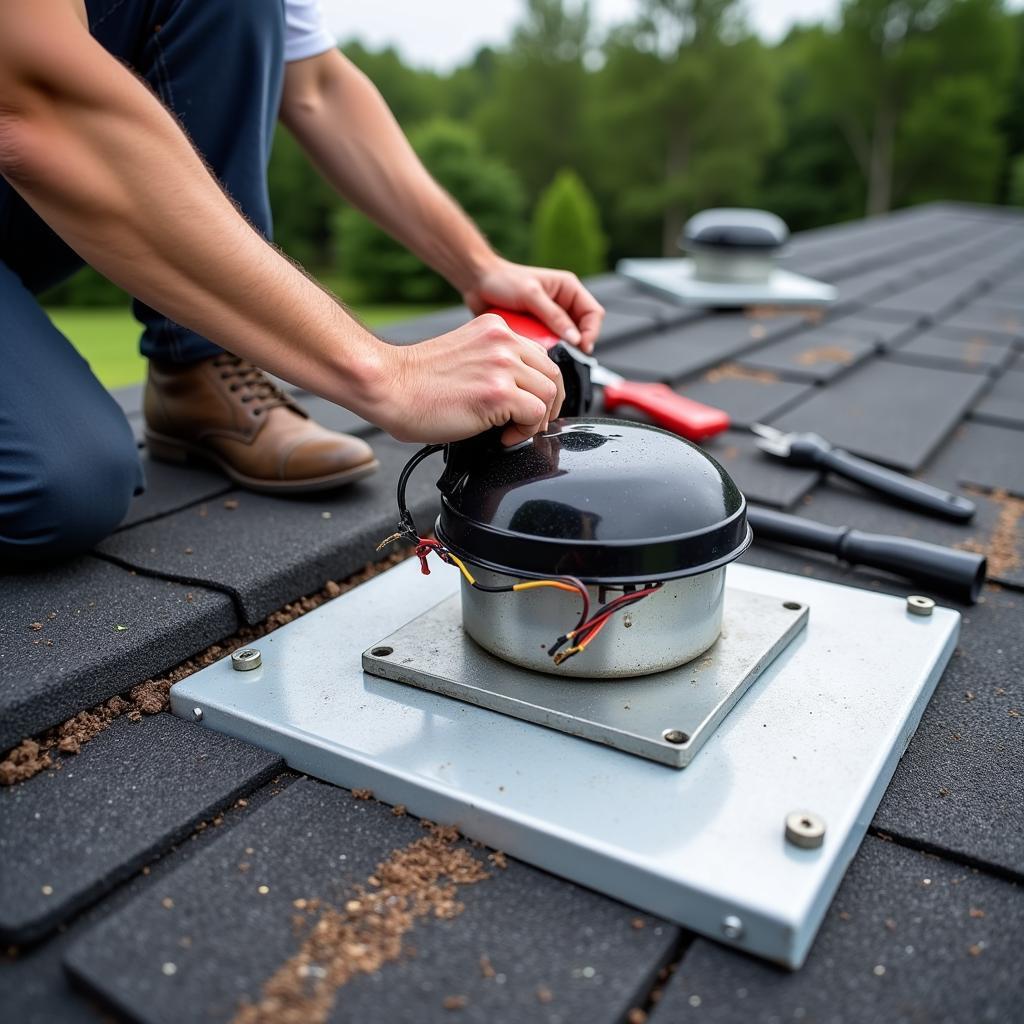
[(812, 450)]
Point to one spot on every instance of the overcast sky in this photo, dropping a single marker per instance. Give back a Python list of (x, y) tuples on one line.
[(442, 33)]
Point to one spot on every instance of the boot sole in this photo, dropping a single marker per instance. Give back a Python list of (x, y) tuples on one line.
[(171, 450)]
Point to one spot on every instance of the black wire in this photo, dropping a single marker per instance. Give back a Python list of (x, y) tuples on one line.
[(406, 523)]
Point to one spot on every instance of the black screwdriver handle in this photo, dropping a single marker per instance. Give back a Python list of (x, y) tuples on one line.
[(961, 574), (897, 485)]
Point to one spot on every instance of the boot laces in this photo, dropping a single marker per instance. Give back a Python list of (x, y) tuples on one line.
[(254, 384)]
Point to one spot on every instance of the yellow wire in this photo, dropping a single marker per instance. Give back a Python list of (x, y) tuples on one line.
[(462, 568), (567, 653), (529, 585), (545, 583)]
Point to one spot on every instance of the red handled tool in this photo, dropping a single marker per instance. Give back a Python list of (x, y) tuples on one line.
[(693, 420)]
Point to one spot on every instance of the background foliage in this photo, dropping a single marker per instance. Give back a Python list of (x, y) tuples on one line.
[(606, 144), (567, 227), (901, 102), (488, 191)]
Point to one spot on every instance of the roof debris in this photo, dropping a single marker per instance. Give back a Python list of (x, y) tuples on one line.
[(34, 755), (733, 371), (1003, 545), (417, 881), (825, 354)]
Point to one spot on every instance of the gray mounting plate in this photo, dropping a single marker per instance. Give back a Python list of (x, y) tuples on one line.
[(633, 715), (821, 730), (674, 279)]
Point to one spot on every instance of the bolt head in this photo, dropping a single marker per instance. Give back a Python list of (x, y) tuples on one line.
[(732, 927), (197, 714), (805, 829), (676, 736), (918, 605), (245, 659)]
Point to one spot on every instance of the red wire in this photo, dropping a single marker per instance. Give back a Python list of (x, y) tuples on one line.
[(619, 601), (592, 626)]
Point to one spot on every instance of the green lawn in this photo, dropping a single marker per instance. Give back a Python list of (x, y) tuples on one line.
[(109, 338)]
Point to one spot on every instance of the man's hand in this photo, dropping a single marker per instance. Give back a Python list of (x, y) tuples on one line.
[(556, 297), (465, 382)]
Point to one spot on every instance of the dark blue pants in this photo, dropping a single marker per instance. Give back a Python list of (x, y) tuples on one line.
[(68, 463)]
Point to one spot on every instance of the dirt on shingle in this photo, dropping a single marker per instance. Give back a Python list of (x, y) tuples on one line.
[(812, 314), (1003, 546), (733, 371), (25, 760), (419, 881), (974, 351), (35, 754), (825, 354)]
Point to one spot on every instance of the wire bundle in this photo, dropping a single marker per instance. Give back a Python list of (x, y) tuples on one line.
[(587, 626), (585, 632)]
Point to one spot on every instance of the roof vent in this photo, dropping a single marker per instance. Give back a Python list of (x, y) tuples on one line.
[(731, 262), (734, 245)]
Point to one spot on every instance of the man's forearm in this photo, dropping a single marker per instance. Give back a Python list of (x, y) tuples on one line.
[(95, 154), (343, 123)]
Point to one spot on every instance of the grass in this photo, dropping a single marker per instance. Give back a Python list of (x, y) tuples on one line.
[(108, 339)]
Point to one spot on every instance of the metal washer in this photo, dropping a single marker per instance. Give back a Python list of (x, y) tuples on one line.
[(805, 829), (245, 659)]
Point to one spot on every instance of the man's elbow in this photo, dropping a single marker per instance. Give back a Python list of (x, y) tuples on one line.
[(14, 145), (309, 85), (28, 100)]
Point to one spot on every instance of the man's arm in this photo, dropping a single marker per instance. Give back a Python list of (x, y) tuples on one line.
[(342, 121), (97, 156)]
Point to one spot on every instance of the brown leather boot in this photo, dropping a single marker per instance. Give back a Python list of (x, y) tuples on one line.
[(225, 411)]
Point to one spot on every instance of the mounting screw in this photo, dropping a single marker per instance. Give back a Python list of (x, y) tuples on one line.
[(805, 829), (676, 736), (197, 714), (918, 605), (246, 659), (732, 927)]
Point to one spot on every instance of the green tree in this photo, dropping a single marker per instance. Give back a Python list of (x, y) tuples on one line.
[(809, 179), (534, 116), (302, 203), (1012, 124), (1016, 187), (898, 74), (466, 87), (687, 115), (567, 228), (487, 190), (948, 147)]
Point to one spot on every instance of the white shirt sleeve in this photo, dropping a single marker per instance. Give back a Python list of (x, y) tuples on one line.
[(306, 34)]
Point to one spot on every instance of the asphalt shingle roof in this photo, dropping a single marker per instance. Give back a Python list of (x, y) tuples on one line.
[(100, 889)]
